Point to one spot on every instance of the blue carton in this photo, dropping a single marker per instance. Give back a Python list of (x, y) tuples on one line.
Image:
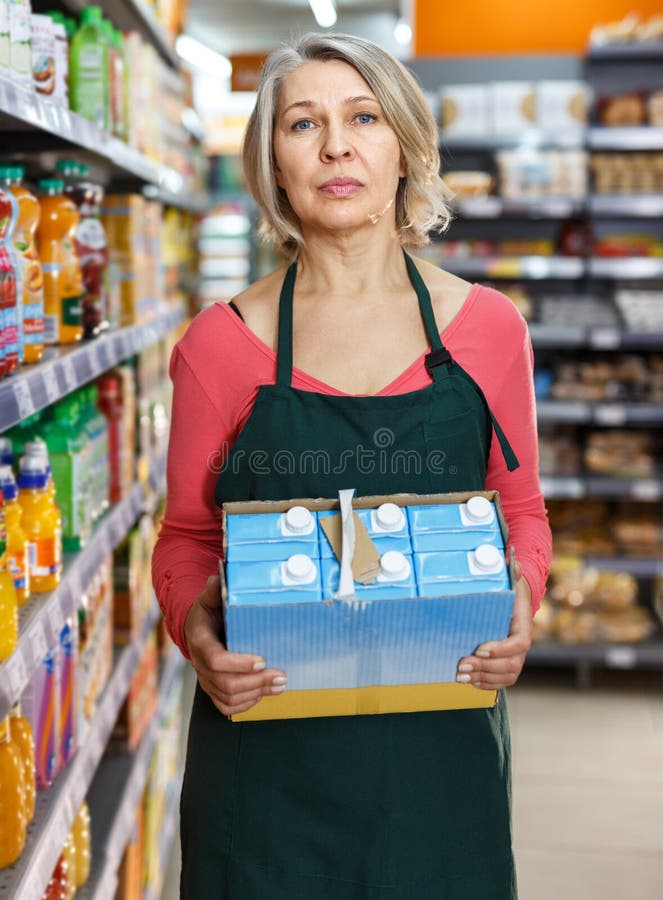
[(454, 526), (293, 580), (367, 654), (254, 537), (461, 571), (387, 526), (396, 580)]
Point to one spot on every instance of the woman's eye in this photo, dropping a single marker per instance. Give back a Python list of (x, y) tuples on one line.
[(302, 125), (365, 118)]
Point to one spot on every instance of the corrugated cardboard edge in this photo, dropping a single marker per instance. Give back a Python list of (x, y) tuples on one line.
[(368, 701)]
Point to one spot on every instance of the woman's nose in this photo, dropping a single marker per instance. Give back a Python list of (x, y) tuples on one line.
[(336, 144)]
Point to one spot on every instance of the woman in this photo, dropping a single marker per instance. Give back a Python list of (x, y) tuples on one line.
[(341, 154)]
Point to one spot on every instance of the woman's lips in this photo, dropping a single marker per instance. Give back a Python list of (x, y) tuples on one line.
[(341, 187)]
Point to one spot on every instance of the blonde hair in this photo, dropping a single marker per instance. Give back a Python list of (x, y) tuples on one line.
[(421, 197)]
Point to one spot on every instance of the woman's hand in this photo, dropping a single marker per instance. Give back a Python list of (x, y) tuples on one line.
[(234, 681), (498, 664)]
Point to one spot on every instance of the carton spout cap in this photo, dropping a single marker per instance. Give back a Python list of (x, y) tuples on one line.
[(479, 509), (298, 520), (390, 517)]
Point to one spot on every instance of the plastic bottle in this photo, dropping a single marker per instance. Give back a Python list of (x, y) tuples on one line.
[(88, 69), (98, 432), (10, 351), (13, 820), (32, 279), (69, 853), (8, 602), (67, 451), (63, 280), (17, 540), (58, 887), (90, 242), (21, 733), (40, 523), (20, 42), (68, 686), (4, 39), (110, 404), (6, 451), (82, 843)]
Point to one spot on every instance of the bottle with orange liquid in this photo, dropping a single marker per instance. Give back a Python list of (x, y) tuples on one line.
[(17, 540), (13, 821), (10, 333), (82, 844), (8, 603), (32, 281), (21, 732), (63, 280), (42, 525)]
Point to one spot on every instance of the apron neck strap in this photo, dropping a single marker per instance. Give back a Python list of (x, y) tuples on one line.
[(284, 347), (434, 359)]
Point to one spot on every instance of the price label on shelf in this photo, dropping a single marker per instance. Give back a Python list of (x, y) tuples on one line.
[(604, 338), (69, 373), (38, 643), (17, 674), (610, 414), (51, 386), (647, 490), (23, 398), (620, 657), (55, 617), (104, 355)]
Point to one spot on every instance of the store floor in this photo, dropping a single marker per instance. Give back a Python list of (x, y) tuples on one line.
[(588, 788)]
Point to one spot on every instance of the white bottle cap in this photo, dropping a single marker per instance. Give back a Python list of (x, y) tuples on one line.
[(389, 516), (297, 520), (479, 509), (300, 568), (488, 558), (394, 565)]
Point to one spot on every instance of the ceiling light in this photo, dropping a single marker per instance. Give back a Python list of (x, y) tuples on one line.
[(402, 32), (202, 57), (324, 12)]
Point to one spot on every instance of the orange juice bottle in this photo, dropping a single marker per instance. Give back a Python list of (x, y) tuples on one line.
[(40, 523), (21, 732), (81, 833), (69, 853), (32, 280), (8, 602), (13, 821), (63, 280), (17, 540)]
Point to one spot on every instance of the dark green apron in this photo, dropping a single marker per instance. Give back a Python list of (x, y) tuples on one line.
[(388, 807)]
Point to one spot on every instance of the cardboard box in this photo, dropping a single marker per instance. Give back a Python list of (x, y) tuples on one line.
[(376, 656), (465, 110), (513, 107)]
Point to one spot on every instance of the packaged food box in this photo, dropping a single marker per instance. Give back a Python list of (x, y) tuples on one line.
[(385, 649), (561, 106), (513, 106), (465, 110)]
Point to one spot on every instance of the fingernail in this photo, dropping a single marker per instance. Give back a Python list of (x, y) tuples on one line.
[(465, 668), (463, 678), (259, 665), (280, 679), (484, 654), (278, 689)]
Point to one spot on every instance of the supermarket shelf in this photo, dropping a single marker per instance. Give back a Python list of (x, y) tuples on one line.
[(169, 829), (191, 202), (638, 566), (116, 792), (641, 50), (626, 267), (615, 414), (557, 487), (533, 138), (43, 616), (56, 808), (134, 15), (644, 137), (23, 111), (645, 655), (64, 369), (539, 208), (535, 267), (600, 338), (626, 206)]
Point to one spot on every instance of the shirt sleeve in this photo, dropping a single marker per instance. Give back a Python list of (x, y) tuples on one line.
[(513, 405), (189, 545)]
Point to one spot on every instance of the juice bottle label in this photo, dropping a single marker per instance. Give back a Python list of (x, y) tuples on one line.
[(90, 85), (32, 282), (43, 54), (18, 563), (4, 39), (20, 52), (72, 310), (44, 556), (93, 254)]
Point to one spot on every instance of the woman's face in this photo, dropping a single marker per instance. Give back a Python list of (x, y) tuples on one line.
[(337, 157)]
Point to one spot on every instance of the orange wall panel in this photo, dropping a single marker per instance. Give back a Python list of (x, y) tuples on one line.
[(469, 27)]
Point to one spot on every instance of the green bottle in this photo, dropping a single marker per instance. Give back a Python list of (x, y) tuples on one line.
[(88, 69), (66, 450)]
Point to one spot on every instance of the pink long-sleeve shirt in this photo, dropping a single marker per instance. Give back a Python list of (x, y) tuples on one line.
[(216, 369)]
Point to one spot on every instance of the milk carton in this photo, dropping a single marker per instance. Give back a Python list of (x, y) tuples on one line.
[(454, 526), (395, 581), (272, 536), (295, 579), (387, 527), (446, 573)]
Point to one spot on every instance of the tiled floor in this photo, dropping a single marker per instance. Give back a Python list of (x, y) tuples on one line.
[(588, 788)]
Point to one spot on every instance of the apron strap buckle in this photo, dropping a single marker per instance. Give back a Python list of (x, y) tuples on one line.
[(436, 358)]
